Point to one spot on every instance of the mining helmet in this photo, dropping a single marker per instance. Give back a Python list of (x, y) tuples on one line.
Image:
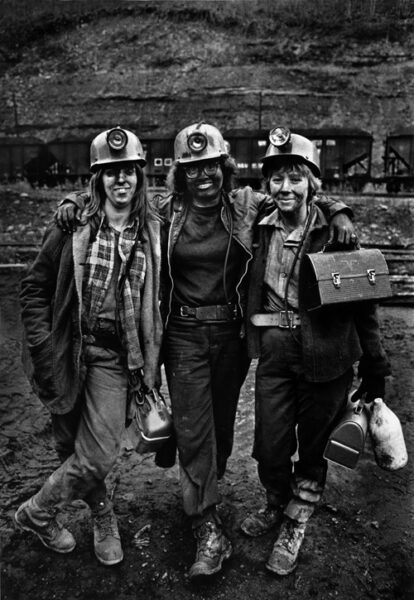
[(116, 145), (285, 144), (199, 142)]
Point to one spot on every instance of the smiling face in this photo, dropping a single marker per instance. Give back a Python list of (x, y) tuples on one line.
[(204, 180), (289, 188), (120, 182)]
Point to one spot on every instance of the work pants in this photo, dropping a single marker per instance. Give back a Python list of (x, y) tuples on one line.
[(206, 364), (90, 435), (293, 414)]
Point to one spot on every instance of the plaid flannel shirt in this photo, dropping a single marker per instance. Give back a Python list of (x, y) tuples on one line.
[(100, 261)]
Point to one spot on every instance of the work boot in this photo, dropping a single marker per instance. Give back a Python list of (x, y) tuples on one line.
[(44, 524), (261, 521), (283, 559), (212, 548), (106, 538)]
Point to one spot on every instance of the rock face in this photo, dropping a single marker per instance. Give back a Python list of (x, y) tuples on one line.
[(156, 72)]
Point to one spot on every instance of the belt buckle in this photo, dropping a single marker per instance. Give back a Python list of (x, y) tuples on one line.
[(286, 319), (183, 311)]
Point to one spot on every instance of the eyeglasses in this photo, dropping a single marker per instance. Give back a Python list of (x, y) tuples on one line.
[(193, 171)]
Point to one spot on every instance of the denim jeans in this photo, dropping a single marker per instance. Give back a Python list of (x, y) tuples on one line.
[(88, 439), (206, 364), (293, 414)]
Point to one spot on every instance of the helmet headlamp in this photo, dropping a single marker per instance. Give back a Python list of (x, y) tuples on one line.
[(197, 141), (117, 139), (279, 136)]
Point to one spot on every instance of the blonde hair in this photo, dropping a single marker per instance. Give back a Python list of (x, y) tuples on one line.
[(287, 165)]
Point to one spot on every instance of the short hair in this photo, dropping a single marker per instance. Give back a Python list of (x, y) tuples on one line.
[(177, 182), (288, 164)]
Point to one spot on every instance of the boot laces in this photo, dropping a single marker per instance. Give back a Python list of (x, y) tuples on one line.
[(207, 535), (292, 535), (107, 525)]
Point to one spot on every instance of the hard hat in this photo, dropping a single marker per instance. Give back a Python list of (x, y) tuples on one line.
[(116, 145), (199, 142), (284, 144)]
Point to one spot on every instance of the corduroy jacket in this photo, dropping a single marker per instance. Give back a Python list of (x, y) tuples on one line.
[(51, 300), (333, 338)]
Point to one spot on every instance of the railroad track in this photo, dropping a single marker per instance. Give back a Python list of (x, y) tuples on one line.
[(400, 261)]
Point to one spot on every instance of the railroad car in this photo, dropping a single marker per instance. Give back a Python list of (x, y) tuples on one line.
[(345, 155), (399, 161), (15, 154), (345, 158), (72, 160), (159, 154)]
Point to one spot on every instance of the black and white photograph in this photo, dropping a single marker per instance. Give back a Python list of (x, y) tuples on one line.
[(206, 299)]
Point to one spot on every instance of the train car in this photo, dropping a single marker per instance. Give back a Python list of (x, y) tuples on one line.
[(247, 147), (399, 161), (15, 154), (72, 160), (345, 155), (159, 154)]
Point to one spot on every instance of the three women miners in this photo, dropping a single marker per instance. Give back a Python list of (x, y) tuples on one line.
[(204, 230)]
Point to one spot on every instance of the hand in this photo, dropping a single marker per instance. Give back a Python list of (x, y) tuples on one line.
[(67, 216), (371, 387), (341, 230)]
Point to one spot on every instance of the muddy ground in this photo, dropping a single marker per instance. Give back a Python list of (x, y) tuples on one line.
[(359, 545)]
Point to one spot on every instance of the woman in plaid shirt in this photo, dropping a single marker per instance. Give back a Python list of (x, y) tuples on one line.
[(91, 317)]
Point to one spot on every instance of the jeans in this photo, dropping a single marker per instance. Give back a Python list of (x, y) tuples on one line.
[(293, 414), (206, 364), (88, 438)]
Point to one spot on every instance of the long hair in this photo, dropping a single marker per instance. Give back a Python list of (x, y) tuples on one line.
[(287, 165), (177, 182), (140, 207)]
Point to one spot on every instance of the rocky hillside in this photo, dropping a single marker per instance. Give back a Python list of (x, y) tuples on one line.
[(77, 67)]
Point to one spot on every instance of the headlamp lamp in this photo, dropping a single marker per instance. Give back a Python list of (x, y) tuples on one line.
[(197, 141), (117, 139), (279, 136)]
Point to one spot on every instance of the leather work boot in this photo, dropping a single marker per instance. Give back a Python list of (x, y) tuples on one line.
[(283, 559), (106, 538), (213, 547), (44, 524), (261, 522)]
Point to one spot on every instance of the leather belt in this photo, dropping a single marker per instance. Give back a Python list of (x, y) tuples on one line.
[(112, 342), (216, 312), (276, 319)]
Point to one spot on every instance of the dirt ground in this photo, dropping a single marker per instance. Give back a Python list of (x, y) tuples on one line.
[(359, 544)]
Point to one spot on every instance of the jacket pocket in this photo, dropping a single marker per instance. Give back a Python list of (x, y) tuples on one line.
[(43, 378)]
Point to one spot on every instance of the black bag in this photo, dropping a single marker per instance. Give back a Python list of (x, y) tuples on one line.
[(340, 277)]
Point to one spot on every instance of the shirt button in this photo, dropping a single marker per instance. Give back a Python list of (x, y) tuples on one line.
[(283, 274)]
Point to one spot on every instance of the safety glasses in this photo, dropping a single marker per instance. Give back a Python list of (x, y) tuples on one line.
[(194, 171)]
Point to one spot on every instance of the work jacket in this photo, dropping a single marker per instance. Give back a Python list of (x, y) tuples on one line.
[(333, 338), (51, 299), (239, 212)]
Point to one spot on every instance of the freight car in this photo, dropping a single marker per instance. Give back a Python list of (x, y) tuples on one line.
[(345, 155), (399, 161), (15, 153), (345, 158)]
